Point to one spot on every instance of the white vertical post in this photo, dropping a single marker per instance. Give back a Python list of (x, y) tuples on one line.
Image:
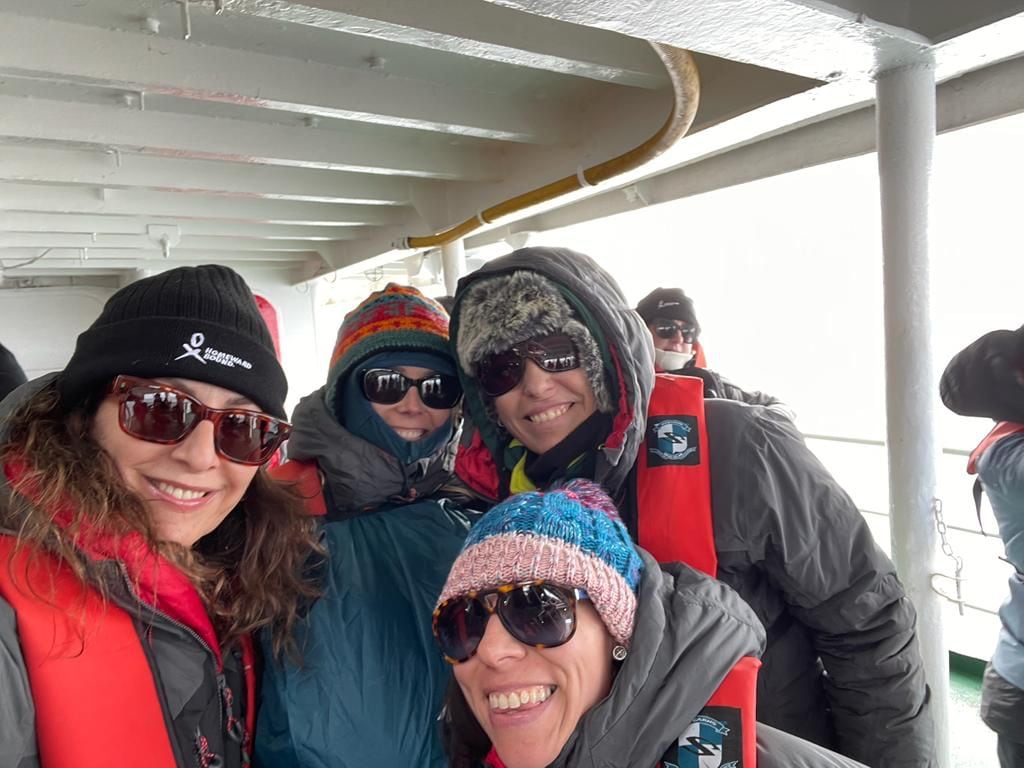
[(453, 264), (906, 136)]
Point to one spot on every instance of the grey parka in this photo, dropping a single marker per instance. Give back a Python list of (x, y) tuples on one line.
[(690, 630), (842, 667)]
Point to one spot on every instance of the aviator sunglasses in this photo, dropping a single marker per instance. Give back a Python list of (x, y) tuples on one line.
[(158, 413), (535, 613), (387, 387), (501, 372), (666, 329)]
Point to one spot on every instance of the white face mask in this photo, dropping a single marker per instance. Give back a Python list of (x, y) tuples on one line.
[(671, 361)]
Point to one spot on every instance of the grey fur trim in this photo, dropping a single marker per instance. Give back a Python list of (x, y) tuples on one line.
[(501, 311)]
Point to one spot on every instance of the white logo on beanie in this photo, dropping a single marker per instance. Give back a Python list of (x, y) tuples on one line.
[(662, 303), (194, 346)]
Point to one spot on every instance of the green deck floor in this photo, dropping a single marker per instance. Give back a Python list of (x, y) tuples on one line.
[(972, 743)]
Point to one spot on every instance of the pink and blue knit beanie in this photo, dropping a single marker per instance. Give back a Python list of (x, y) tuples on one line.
[(571, 536)]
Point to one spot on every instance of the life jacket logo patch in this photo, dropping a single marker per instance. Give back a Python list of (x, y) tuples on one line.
[(672, 440), (713, 740)]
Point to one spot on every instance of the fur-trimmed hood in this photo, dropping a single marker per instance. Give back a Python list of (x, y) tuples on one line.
[(598, 306), (503, 310)]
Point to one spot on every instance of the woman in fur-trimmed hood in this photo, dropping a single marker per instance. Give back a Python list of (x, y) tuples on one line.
[(546, 291), (557, 372)]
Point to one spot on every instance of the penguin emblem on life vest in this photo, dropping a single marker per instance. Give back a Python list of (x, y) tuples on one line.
[(672, 440)]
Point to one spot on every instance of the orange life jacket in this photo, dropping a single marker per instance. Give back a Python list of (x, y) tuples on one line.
[(95, 698), (673, 466), (999, 431)]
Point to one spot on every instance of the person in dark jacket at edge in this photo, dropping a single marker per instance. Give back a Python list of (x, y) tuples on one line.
[(11, 374), (987, 379), (141, 541), (597, 654), (672, 320), (379, 438), (842, 666)]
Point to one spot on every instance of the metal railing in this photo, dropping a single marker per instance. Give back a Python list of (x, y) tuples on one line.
[(957, 579)]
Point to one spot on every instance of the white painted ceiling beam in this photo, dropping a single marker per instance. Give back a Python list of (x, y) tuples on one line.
[(88, 224), (140, 258), (198, 137), (472, 28), (137, 62), (108, 169), (44, 199), (145, 242), (816, 40)]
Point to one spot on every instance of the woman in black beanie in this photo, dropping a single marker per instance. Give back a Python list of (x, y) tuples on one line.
[(141, 542)]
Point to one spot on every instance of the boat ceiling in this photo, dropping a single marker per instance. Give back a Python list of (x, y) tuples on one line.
[(313, 137)]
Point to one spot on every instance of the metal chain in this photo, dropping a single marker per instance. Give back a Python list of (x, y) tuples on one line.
[(947, 550)]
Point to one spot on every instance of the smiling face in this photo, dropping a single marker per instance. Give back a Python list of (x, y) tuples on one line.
[(676, 343), (544, 408), (187, 488), (409, 417), (553, 687)]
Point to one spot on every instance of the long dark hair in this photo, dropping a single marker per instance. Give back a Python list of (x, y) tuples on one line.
[(464, 741), (249, 570)]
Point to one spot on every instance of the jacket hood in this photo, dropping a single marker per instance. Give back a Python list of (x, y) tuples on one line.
[(623, 341), (690, 631), (358, 474)]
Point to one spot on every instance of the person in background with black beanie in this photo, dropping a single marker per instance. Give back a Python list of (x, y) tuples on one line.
[(672, 320), (141, 542), (11, 374), (987, 379)]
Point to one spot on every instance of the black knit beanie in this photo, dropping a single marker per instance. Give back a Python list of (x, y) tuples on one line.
[(668, 303), (199, 323)]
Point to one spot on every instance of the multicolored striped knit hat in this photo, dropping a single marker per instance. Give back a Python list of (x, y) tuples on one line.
[(571, 536), (398, 318)]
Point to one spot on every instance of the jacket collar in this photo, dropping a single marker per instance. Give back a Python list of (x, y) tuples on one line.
[(690, 631), (357, 474)]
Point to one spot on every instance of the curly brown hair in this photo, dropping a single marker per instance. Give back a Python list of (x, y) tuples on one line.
[(250, 570)]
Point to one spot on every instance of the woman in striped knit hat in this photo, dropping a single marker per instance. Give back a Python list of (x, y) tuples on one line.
[(573, 648), (373, 448)]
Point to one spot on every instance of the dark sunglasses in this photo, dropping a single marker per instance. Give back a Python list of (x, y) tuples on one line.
[(668, 330), (387, 387), (536, 613), (158, 413), (501, 372)]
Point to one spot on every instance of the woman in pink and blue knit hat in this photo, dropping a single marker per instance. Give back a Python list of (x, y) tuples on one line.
[(573, 648), (374, 449)]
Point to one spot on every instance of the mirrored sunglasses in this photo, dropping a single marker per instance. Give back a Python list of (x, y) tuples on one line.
[(501, 372), (387, 387), (159, 413), (535, 613), (668, 330)]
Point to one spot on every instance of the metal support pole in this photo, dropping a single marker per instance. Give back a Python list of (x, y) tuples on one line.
[(906, 135), (453, 264)]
